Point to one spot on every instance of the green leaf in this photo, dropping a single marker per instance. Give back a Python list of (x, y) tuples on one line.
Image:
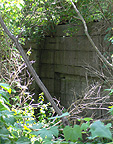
[(23, 140), (37, 142), (108, 29), (44, 132), (6, 87), (64, 114), (31, 122), (3, 106), (6, 112), (109, 125), (64, 143), (98, 129), (111, 111), (84, 126), (107, 90), (47, 141), (4, 101), (4, 140), (36, 133), (111, 91), (36, 126), (87, 119), (54, 131), (72, 134), (18, 126), (4, 131), (4, 94), (14, 133), (49, 133), (10, 120)]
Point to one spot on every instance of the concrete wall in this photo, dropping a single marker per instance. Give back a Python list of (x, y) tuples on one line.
[(35, 56), (60, 62)]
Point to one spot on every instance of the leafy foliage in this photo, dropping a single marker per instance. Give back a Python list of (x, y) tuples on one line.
[(72, 134), (20, 126), (38, 18), (99, 130)]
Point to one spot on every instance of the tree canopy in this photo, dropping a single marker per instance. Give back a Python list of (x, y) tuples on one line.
[(33, 17)]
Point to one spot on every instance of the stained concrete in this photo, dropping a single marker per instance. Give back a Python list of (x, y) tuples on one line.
[(60, 62)]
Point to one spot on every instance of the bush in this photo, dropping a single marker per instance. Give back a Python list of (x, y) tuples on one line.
[(20, 125)]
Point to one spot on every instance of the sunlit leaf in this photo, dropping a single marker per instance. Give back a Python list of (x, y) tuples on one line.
[(64, 114), (6, 87), (72, 134), (23, 140), (98, 129)]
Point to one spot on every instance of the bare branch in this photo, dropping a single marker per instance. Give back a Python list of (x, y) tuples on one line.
[(90, 39), (33, 72)]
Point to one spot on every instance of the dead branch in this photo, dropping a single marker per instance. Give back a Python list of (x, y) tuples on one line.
[(33, 72), (103, 59)]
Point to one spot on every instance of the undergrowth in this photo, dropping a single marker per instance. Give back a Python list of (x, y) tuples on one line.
[(19, 125)]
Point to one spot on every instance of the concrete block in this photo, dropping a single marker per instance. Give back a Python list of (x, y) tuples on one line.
[(68, 43), (49, 83), (60, 68), (80, 43), (65, 30), (50, 40), (65, 57), (69, 86), (47, 56), (59, 57), (87, 58), (49, 46), (60, 30), (74, 70), (83, 44), (61, 43), (47, 70)]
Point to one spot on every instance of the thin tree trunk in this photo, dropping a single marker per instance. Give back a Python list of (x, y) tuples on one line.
[(90, 39), (33, 72)]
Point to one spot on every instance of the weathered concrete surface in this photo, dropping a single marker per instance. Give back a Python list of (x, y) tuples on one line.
[(60, 62), (35, 56)]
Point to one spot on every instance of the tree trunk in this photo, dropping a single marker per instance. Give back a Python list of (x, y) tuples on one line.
[(33, 72)]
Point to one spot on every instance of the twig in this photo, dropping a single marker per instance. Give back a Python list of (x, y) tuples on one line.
[(33, 72), (90, 39)]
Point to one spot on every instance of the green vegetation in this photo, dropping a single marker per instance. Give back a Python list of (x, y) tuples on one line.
[(20, 125), (21, 121), (38, 18)]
